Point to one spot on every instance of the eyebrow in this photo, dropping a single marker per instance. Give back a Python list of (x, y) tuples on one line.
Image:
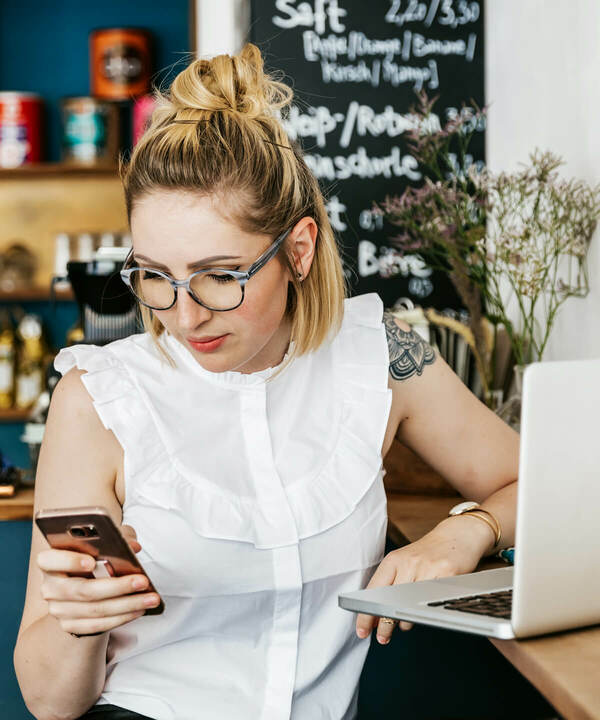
[(190, 266)]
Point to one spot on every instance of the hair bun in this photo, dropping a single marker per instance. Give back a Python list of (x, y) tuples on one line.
[(235, 83)]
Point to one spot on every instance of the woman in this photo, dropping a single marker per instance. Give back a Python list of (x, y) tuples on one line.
[(241, 438)]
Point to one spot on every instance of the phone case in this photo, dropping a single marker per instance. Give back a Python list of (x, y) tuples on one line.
[(91, 530)]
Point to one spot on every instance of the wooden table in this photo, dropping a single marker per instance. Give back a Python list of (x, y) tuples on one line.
[(564, 667)]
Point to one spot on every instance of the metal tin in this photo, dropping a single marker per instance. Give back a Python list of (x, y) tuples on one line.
[(120, 63), (143, 108), (90, 131), (20, 129)]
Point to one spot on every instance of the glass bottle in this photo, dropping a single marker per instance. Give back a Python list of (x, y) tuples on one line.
[(29, 381), (7, 361)]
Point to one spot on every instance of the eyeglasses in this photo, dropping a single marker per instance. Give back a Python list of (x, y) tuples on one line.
[(215, 288)]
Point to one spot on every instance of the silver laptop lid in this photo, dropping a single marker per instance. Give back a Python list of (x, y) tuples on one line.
[(557, 568)]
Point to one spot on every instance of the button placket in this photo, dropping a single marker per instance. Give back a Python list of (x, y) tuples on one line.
[(276, 533), (275, 524)]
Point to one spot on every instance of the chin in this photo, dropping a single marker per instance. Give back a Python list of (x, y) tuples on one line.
[(215, 362)]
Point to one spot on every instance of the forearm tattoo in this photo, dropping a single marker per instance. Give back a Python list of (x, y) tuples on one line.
[(409, 353)]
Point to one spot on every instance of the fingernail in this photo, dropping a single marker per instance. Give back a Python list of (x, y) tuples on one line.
[(138, 583), (382, 640), (87, 563), (151, 600), (362, 633)]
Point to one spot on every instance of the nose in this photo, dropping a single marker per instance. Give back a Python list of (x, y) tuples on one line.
[(190, 314)]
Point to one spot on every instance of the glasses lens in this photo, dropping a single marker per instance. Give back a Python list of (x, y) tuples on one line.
[(218, 290), (152, 289)]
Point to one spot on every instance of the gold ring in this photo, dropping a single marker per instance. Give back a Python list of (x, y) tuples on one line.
[(387, 621)]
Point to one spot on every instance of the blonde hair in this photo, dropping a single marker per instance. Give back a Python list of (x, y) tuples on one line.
[(216, 132)]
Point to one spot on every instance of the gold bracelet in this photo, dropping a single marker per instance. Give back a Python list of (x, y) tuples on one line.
[(492, 521)]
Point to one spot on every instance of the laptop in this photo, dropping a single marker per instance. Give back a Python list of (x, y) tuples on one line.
[(555, 582)]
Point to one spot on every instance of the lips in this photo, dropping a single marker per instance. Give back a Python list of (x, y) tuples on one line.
[(208, 344), (205, 339)]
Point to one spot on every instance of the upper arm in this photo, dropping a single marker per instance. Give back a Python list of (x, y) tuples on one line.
[(77, 466), (440, 419)]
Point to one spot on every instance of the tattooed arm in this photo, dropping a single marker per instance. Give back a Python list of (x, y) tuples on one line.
[(439, 418)]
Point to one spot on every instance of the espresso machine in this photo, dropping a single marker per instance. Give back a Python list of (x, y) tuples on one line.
[(107, 310)]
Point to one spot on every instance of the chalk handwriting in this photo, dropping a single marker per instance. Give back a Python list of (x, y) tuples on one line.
[(389, 262), (450, 13), (359, 164), (356, 45), (319, 122), (335, 208), (306, 14), (370, 220)]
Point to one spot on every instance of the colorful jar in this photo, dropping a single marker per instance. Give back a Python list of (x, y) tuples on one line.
[(142, 115), (90, 131), (120, 63), (20, 129)]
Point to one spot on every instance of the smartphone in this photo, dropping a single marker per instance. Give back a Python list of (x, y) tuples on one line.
[(91, 530)]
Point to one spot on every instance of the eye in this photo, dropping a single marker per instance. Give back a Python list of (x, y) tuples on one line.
[(221, 277), (150, 275)]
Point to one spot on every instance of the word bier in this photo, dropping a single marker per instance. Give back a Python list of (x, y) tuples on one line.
[(389, 262)]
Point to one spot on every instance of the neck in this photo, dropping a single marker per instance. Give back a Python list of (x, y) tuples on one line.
[(272, 353)]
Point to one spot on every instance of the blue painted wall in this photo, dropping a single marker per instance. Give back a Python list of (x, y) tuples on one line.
[(44, 45)]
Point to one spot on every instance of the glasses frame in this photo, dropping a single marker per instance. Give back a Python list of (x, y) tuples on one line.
[(241, 277)]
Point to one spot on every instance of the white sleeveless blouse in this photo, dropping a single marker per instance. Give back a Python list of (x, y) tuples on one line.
[(256, 503)]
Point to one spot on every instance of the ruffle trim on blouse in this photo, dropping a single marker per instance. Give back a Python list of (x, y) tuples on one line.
[(116, 400), (318, 502), (360, 361)]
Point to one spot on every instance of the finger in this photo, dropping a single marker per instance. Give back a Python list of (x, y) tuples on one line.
[(134, 545), (404, 626), (383, 576), (131, 536), (91, 589), (103, 609), (89, 626), (65, 561), (128, 531), (385, 628)]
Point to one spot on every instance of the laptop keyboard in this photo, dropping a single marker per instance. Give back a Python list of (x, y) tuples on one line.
[(497, 604)]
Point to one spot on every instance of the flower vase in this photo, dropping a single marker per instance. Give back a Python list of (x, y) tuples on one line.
[(510, 411)]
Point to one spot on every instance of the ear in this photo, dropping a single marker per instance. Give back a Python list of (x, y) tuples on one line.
[(302, 241)]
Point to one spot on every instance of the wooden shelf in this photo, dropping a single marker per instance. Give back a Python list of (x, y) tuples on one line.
[(14, 415), (56, 169), (36, 293), (18, 507)]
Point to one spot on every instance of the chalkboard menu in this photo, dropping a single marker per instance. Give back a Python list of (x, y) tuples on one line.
[(355, 67)]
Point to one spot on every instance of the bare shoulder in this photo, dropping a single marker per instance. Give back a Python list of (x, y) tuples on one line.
[(77, 466), (79, 457), (409, 353)]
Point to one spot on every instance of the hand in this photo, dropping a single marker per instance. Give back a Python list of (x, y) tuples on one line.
[(85, 606), (452, 548)]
